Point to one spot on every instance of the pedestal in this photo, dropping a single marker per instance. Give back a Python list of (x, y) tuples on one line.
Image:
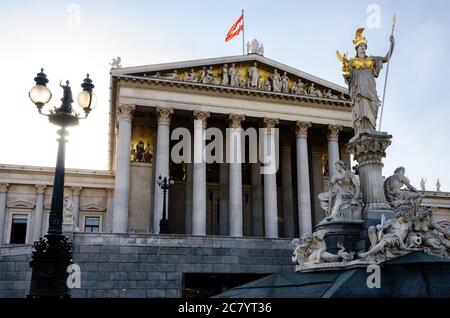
[(346, 233), (368, 150)]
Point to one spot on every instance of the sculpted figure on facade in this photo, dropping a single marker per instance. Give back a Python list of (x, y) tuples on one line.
[(267, 86), (388, 238), (393, 189), (298, 87), (285, 83), (67, 210), (311, 248), (225, 76), (343, 199), (438, 185), (412, 228), (253, 76), (232, 72), (190, 76), (172, 75), (313, 91), (360, 73), (435, 236), (276, 81)]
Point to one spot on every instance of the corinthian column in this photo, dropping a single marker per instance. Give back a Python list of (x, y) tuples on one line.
[(164, 116), (122, 181), (3, 191), (38, 212), (333, 147), (286, 181), (235, 155), (270, 180), (199, 183), (76, 207), (303, 189), (109, 209)]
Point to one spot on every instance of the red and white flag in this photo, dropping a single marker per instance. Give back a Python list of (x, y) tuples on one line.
[(237, 27)]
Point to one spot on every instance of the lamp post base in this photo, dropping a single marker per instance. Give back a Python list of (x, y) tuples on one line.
[(51, 257)]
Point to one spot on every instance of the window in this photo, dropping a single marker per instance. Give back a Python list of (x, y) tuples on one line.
[(92, 224), (19, 229)]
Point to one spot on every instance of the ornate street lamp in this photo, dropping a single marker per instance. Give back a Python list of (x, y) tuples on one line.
[(53, 253), (164, 222)]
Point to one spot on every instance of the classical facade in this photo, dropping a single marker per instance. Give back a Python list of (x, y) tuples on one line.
[(213, 205)]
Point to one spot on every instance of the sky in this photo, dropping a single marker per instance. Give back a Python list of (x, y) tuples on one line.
[(72, 38)]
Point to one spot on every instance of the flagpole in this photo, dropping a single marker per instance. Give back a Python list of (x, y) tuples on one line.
[(394, 21), (243, 34)]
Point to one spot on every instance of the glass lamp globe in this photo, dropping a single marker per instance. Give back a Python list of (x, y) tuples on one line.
[(87, 100), (40, 95)]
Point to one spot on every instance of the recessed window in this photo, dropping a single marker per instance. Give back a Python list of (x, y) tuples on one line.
[(92, 224), (18, 229)]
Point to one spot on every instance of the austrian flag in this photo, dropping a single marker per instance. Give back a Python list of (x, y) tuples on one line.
[(237, 27)]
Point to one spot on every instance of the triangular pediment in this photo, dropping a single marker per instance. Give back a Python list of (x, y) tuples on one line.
[(271, 77), (93, 208), (20, 205)]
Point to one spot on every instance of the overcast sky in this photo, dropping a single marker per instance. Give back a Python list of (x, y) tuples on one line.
[(71, 38)]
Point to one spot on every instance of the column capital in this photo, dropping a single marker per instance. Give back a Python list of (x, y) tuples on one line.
[(4, 187), (110, 193), (125, 112), (40, 188), (235, 121), (270, 123), (301, 128), (164, 115), (286, 144), (76, 190), (203, 116), (333, 132)]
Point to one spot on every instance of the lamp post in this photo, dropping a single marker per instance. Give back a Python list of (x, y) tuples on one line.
[(52, 254), (164, 222)]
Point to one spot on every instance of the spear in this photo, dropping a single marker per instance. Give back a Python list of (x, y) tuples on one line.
[(394, 22)]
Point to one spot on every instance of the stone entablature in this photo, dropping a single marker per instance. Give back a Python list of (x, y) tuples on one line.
[(249, 72), (32, 175)]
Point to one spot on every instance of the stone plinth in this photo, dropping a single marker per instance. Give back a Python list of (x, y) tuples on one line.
[(345, 232), (368, 150)]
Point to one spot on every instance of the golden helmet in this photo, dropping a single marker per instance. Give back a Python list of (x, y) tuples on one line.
[(359, 39)]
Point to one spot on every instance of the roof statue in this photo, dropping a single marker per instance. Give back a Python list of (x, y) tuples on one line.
[(254, 47), (116, 63)]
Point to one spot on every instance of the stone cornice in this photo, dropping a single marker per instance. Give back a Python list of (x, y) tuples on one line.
[(125, 112)]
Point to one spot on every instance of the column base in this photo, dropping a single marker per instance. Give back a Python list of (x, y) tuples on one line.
[(344, 232)]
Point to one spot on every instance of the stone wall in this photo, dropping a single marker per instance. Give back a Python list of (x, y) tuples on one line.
[(15, 272), (139, 265)]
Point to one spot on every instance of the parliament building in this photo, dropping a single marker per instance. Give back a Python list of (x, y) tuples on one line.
[(228, 223)]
